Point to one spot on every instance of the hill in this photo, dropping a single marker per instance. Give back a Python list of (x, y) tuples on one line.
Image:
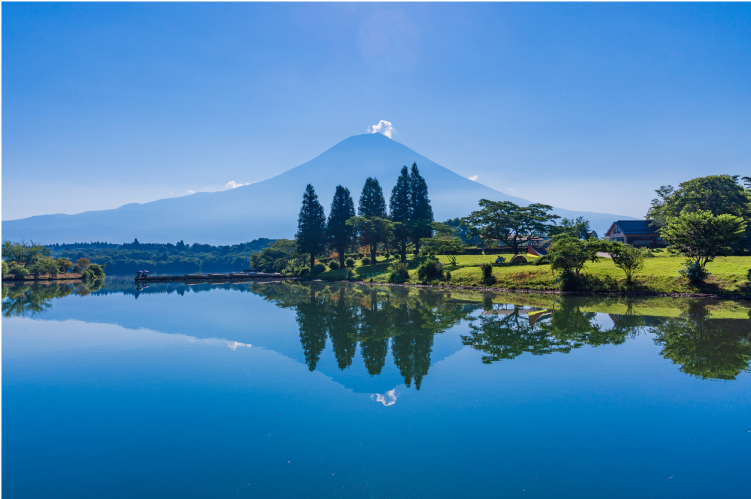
[(269, 208)]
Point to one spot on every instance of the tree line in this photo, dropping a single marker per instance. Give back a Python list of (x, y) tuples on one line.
[(409, 219)]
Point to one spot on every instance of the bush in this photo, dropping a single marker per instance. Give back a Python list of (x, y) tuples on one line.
[(366, 260), (97, 270), (334, 265), (63, 264), (748, 275), (303, 271), (43, 266), (569, 281), (6, 268), (318, 268), (398, 272), (473, 251), (694, 271), (627, 258), (18, 271), (448, 275), (430, 270), (487, 273), (349, 263)]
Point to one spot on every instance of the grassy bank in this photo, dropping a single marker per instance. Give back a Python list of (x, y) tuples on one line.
[(660, 275), (44, 277)]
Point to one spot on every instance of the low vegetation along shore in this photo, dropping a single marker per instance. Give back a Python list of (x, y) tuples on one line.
[(660, 275)]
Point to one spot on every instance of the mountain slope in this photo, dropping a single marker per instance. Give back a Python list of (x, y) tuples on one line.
[(269, 208)]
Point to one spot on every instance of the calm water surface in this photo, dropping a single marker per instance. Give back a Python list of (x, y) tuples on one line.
[(290, 390)]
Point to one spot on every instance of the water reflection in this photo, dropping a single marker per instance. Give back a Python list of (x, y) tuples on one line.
[(28, 300), (402, 319), (704, 347), (707, 340)]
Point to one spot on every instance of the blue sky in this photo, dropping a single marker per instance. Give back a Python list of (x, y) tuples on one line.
[(583, 106)]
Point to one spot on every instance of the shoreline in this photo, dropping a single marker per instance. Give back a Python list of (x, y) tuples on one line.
[(710, 296), (33, 279)]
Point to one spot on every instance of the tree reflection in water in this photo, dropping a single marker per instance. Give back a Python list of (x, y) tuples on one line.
[(30, 299), (703, 347), (406, 320)]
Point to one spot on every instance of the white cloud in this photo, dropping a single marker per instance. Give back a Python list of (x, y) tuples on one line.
[(232, 184), (387, 399), (473, 178), (190, 192), (384, 127)]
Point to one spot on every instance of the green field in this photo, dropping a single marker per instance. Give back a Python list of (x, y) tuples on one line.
[(660, 275)]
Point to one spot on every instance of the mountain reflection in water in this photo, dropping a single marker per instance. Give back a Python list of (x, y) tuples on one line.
[(693, 334)]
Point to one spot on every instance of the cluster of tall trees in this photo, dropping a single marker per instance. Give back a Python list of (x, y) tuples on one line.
[(705, 217), (408, 219)]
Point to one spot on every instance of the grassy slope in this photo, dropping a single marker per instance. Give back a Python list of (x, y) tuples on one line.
[(660, 275)]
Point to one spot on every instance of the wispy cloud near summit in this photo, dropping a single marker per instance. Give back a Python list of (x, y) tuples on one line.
[(384, 127)]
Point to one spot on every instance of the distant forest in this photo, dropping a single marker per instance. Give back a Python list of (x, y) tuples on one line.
[(123, 259)]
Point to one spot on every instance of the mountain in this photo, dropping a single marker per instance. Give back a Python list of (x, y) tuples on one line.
[(269, 208)]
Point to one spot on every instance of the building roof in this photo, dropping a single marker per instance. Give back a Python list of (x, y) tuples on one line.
[(637, 226)]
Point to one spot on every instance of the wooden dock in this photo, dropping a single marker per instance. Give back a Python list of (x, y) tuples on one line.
[(195, 278)]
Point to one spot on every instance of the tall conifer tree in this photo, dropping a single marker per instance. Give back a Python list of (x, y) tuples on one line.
[(311, 225), (422, 212), (400, 206), (340, 234), (372, 205)]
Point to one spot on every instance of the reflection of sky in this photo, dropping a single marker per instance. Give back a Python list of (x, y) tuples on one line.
[(387, 399), (95, 402)]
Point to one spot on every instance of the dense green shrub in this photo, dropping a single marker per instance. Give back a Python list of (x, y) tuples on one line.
[(303, 271), (63, 264), (398, 272), (366, 260), (97, 270), (472, 251), (430, 270), (18, 271), (43, 266), (448, 275), (318, 268), (6, 268), (694, 271), (569, 281), (333, 265), (349, 263)]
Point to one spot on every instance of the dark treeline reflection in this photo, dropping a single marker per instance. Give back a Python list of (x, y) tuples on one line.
[(377, 318), (705, 348), (404, 321), (23, 299)]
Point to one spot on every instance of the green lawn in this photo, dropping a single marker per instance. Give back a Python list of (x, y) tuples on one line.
[(660, 275)]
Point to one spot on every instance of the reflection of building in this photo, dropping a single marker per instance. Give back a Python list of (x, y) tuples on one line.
[(532, 314), (643, 233)]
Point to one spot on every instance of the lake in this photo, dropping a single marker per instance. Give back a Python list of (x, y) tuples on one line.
[(335, 390)]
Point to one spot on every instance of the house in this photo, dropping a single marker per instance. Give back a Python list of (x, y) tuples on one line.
[(636, 233)]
